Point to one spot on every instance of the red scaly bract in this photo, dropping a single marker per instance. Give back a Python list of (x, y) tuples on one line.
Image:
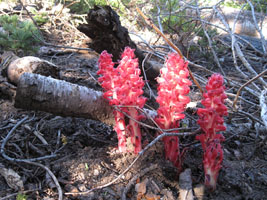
[(123, 87), (172, 90), (211, 121)]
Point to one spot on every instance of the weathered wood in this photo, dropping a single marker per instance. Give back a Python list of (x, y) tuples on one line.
[(105, 29), (185, 183), (106, 33), (263, 104), (37, 92), (30, 64)]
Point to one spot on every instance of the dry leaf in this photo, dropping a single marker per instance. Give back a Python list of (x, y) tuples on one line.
[(140, 188), (12, 178), (152, 197)]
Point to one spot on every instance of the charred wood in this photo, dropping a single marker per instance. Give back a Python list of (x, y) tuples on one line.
[(106, 33)]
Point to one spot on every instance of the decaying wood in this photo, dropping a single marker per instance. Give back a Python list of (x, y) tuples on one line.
[(263, 103), (105, 29), (106, 33), (185, 183), (5, 59), (32, 65), (37, 92), (7, 90)]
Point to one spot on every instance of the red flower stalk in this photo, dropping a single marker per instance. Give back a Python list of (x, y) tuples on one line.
[(123, 86), (211, 121), (172, 90)]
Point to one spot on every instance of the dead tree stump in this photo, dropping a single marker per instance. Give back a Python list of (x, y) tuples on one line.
[(106, 33)]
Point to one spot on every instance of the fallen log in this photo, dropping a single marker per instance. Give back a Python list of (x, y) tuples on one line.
[(37, 92)]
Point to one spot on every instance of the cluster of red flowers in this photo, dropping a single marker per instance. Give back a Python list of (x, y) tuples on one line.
[(123, 87), (172, 90), (211, 121)]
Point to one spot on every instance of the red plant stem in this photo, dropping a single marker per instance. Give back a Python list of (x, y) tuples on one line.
[(120, 129), (135, 130)]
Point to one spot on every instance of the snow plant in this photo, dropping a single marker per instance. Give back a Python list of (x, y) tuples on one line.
[(123, 87), (211, 121), (172, 90)]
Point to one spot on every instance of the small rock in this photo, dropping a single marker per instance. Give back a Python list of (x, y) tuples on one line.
[(238, 143), (71, 188), (82, 187), (237, 154), (199, 191), (140, 188), (96, 172), (152, 197), (167, 194)]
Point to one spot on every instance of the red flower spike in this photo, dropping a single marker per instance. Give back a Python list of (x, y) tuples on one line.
[(211, 121), (173, 86), (123, 86)]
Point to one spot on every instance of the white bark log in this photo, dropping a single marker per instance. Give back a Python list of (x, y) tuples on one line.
[(37, 92)]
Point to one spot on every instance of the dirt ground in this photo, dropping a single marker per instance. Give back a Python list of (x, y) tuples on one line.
[(87, 156)]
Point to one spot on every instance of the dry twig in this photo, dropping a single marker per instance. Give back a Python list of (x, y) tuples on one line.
[(263, 41), (248, 82), (148, 21), (132, 181), (210, 43), (238, 50), (29, 14), (15, 159), (60, 193)]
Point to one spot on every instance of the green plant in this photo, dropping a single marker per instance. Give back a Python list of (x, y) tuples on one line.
[(18, 34), (40, 18), (259, 5), (203, 39), (21, 196), (83, 6), (8, 1), (171, 21)]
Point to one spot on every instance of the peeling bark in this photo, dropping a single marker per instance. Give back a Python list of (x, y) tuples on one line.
[(37, 92)]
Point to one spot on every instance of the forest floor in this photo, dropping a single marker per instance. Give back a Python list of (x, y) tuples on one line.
[(87, 155)]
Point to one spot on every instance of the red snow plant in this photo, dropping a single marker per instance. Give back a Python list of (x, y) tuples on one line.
[(211, 122), (123, 87), (172, 90)]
